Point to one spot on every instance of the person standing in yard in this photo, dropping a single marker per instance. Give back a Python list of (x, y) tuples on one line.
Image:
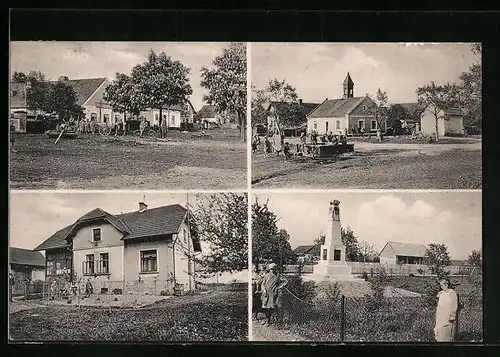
[(271, 284), (12, 138), (142, 127), (446, 312), (302, 142)]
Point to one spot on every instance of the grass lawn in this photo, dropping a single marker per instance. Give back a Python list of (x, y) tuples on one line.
[(95, 162), (377, 166), (216, 316)]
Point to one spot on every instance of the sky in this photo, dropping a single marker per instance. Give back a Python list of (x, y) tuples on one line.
[(451, 218), (317, 70), (35, 216), (103, 59)]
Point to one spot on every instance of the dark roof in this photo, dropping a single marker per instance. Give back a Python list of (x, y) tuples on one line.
[(348, 80), (84, 88), (303, 249), (335, 107), (18, 95), (26, 257), (407, 249), (207, 111), (149, 223), (411, 108), (305, 108)]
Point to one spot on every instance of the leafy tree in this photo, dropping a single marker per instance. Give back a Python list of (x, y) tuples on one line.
[(287, 111), (268, 242), (395, 114), (475, 259), (320, 240), (259, 112), (350, 241), (62, 99), (221, 222), (366, 252), (120, 95), (434, 99), (471, 87), (19, 77), (227, 83), (380, 109), (160, 82), (437, 258)]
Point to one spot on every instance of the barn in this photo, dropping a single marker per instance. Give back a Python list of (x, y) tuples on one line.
[(450, 122), (402, 253)]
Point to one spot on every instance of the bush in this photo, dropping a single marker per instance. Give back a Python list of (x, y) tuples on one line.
[(377, 284), (104, 290)]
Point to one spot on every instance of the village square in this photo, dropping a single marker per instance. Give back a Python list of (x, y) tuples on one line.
[(367, 267), (128, 267), (97, 115), (381, 116)]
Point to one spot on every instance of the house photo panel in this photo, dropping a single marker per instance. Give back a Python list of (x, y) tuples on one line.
[(136, 266), (108, 115)]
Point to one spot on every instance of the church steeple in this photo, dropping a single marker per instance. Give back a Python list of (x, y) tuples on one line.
[(348, 87)]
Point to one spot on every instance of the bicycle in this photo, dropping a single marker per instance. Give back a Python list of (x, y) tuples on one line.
[(148, 132)]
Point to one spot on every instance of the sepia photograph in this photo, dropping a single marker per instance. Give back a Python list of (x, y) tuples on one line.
[(367, 267), (128, 267), (366, 115), (109, 115)]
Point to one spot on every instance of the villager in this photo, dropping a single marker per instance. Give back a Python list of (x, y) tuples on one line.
[(12, 282), (256, 292), (142, 127), (89, 289), (286, 150), (302, 142), (255, 143), (446, 312), (277, 143), (330, 137), (12, 137), (267, 144), (271, 284)]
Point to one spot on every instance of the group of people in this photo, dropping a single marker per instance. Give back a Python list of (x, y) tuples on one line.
[(55, 290), (266, 286), (273, 145), (330, 138)]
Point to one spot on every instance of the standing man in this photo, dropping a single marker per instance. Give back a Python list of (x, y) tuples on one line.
[(142, 127), (446, 312), (271, 284), (12, 138)]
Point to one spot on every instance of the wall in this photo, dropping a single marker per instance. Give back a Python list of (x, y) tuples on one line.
[(110, 237), (454, 124), (183, 266), (153, 115), (100, 113), (321, 125), (428, 123), (387, 255)]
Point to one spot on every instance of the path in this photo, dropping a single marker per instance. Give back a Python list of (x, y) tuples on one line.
[(270, 333)]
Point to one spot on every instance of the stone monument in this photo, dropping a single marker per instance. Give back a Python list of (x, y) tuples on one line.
[(332, 263)]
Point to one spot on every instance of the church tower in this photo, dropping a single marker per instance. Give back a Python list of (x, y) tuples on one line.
[(348, 87)]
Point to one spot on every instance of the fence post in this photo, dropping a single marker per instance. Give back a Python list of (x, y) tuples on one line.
[(342, 319)]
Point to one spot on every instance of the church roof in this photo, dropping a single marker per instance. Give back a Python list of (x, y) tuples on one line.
[(348, 80), (336, 107)]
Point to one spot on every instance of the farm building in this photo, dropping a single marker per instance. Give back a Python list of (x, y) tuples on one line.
[(412, 118), (26, 264), (302, 110), (18, 106), (307, 254), (450, 122), (348, 114), (152, 246), (402, 253)]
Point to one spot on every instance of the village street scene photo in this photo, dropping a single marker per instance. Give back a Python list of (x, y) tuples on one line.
[(366, 115), (128, 267), (367, 267), (113, 115)]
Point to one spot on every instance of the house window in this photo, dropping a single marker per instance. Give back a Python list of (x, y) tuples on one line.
[(172, 121), (58, 263), (96, 235), (88, 265), (374, 124), (103, 263), (337, 125), (350, 92), (364, 108), (326, 127), (315, 126), (361, 124), (93, 116), (106, 118), (148, 261)]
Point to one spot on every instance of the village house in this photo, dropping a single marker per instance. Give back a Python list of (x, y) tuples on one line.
[(208, 117), (146, 247), (307, 254), (347, 115), (413, 116), (19, 110), (25, 264), (273, 118), (402, 253), (450, 122)]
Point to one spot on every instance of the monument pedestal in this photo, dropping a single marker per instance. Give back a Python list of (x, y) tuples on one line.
[(333, 271)]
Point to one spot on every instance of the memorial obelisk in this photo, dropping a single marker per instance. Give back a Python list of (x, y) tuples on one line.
[(332, 263)]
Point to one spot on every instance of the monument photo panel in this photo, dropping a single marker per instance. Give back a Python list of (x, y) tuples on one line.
[(367, 266)]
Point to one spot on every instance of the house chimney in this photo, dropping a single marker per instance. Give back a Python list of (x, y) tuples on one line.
[(142, 206)]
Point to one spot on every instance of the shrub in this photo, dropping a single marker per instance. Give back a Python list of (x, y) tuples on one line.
[(411, 274), (377, 284), (454, 135), (163, 293), (420, 271)]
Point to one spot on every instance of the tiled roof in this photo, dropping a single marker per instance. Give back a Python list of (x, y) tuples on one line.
[(303, 249), (84, 88), (407, 249), (18, 95), (26, 257), (207, 111), (305, 108), (335, 107), (151, 222)]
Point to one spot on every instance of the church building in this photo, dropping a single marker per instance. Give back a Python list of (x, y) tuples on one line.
[(346, 115)]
